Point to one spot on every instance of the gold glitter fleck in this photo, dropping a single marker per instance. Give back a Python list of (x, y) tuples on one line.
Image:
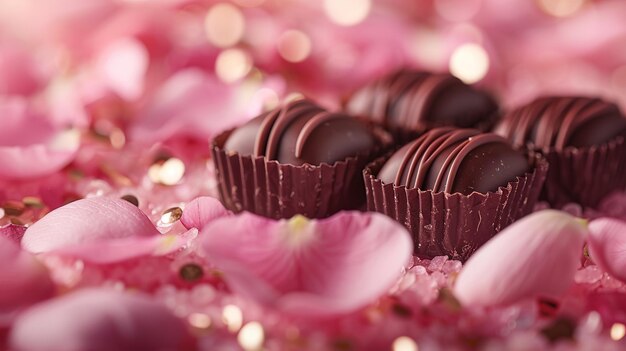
[(171, 215), (33, 201), (191, 272), (132, 199), (13, 208)]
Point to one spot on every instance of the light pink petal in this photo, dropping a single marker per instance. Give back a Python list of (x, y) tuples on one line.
[(19, 71), (98, 319), (23, 280), (320, 267), (535, 256), (189, 103), (29, 145), (87, 221), (13, 232), (122, 249), (607, 245), (123, 65), (202, 210)]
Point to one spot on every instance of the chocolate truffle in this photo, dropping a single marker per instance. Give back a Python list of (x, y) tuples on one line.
[(303, 133), (455, 161), (296, 159), (413, 101), (583, 140), (555, 123)]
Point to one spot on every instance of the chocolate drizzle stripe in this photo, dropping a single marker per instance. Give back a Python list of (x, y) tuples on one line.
[(465, 148), (309, 127), (426, 93), (288, 114)]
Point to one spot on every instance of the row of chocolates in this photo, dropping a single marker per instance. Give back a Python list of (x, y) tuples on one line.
[(452, 187)]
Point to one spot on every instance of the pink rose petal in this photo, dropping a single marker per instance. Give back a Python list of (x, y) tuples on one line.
[(23, 280), (123, 65), (189, 103), (29, 145), (202, 210), (607, 245), (309, 267), (122, 249), (535, 256), (98, 319), (87, 221)]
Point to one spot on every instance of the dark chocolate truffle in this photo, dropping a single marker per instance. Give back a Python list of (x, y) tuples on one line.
[(455, 160), (554, 123), (413, 101), (301, 132)]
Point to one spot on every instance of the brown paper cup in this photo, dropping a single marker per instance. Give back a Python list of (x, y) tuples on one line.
[(585, 175), (275, 190), (454, 224)]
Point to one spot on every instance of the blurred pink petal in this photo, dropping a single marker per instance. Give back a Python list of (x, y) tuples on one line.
[(87, 221), (123, 65), (23, 280), (29, 145), (190, 103), (13, 232), (309, 267), (607, 245), (19, 71), (535, 256), (98, 319), (201, 211)]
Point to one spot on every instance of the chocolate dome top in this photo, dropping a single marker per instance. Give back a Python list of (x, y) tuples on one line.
[(411, 100), (556, 122), (302, 132), (455, 160)]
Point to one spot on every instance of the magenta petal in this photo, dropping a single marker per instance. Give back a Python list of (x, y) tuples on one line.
[(87, 221), (535, 256), (98, 319), (202, 210), (309, 267), (23, 278), (13, 232), (607, 245)]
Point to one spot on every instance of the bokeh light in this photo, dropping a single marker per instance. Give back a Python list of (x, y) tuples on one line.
[(294, 46), (404, 343), (251, 336), (469, 62), (561, 8), (224, 25), (232, 65), (347, 12)]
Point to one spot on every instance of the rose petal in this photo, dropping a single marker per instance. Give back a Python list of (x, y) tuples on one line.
[(317, 267), (202, 210), (122, 249), (23, 279), (190, 103), (535, 256), (607, 246), (87, 221), (29, 145), (98, 319), (123, 65), (13, 232)]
